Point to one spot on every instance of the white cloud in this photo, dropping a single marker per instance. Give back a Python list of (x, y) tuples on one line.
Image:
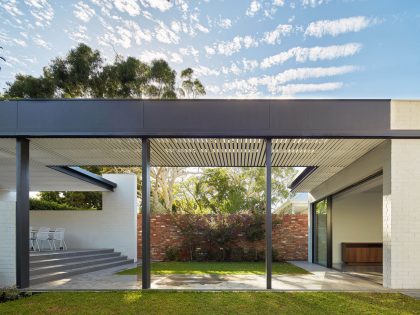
[(293, 89), (225, 23), (302, 54), (42, 11), (11, 7), (313, 3), (189, 51), (275, 36), (209, 50), (124, 34), (149, 55), (176, 26), (78, 35), (214, 89), (249, 65), (278, 3), (83, 11), (336, 27), (228, 48), (138, 33), (233, 69), (176, 58), (128, 6), (205, 71), (39, 41), (161, 5), (275, 83), (165, 35), (253, 8)]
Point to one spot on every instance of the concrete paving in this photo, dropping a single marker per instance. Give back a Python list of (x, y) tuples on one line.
[(320, 278)]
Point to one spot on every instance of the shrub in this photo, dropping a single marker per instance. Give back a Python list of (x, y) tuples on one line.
[(11, 294), (172, 253), (38, 204), (237, 254)]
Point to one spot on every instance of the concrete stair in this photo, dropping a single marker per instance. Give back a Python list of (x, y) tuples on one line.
[(50, 266)]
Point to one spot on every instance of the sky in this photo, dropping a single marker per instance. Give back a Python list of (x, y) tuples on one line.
[(237, 48)]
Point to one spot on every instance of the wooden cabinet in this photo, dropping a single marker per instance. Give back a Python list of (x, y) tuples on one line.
[(361, 253)]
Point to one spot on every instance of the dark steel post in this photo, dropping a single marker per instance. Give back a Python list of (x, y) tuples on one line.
[(22, 213), (268, 218), (145, 210), (329, 231)]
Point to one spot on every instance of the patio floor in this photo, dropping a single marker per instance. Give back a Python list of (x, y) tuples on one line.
[(320, 279)]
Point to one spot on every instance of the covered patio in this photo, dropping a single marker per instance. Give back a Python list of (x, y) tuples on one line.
[(330, 138)]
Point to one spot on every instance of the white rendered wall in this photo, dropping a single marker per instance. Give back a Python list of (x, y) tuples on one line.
[(115, 226), (356, 218), (7, 239), (402, 215)]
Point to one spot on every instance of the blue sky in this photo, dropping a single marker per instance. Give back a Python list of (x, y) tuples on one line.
[(238, 48)]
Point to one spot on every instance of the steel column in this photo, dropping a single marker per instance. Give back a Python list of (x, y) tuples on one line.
[(268, 217), (329, 231), (146, 258), (22, 213)]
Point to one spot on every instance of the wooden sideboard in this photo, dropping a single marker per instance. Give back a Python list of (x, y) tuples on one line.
[(361, 253)]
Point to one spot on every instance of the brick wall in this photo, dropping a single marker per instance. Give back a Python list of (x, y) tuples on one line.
[(290, 236)]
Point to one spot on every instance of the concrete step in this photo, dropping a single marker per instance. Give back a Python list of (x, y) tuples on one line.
[(65, 260), (61, 266), (37, 256), (72, 272)]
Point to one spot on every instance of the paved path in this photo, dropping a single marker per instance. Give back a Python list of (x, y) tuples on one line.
[(320, 278)]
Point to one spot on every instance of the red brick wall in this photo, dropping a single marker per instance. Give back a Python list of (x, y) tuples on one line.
[(290, 236)]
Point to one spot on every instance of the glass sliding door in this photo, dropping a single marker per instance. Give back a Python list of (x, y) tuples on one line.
[(320, 214)]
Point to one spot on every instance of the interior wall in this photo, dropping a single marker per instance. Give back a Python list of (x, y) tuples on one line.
[(115, 226), (356, 217), (7, 239)]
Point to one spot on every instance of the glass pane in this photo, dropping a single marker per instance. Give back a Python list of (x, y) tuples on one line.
[(321, 232)]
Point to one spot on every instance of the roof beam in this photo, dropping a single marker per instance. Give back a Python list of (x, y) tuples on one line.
[(86, 176)]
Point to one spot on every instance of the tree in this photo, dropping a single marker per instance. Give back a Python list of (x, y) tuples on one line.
[(162, 83), (190, 87), (27, 86), (74, 76), (1, 57)]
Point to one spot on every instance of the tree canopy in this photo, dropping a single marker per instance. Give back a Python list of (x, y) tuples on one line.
[(83, 73)]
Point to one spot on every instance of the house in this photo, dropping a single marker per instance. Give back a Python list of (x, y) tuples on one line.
[(360, 159)]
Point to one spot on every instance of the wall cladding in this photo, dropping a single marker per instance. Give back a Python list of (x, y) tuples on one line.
[(290, 236)]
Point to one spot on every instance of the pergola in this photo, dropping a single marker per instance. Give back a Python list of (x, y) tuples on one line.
[(42, 141)]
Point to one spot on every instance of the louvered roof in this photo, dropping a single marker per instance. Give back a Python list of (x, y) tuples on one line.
[(328, 155)]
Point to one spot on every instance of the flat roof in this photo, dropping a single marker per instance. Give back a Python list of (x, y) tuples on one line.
[(199, 118)]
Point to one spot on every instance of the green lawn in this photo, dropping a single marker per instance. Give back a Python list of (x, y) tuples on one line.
[(220, 268), (164, 302)]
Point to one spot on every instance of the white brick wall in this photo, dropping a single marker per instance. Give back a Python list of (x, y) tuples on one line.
[(7, 239), (115, 226)]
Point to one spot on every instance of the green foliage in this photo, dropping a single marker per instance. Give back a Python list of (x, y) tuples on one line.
[(172, 253), (190, 87), (81, 73), (27, 86), (11, 294), (216, 237), (39, 204), (73, 199)]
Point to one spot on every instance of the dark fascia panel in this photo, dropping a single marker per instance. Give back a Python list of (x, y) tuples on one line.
[(302, 176), (350, 118), (84, 175)]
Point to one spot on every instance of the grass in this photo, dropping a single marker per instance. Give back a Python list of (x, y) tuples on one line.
[(164, 302), (220, 268)]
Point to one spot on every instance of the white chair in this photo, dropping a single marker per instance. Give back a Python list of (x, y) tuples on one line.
[(43, 235), (32, 239), (58, 236)]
